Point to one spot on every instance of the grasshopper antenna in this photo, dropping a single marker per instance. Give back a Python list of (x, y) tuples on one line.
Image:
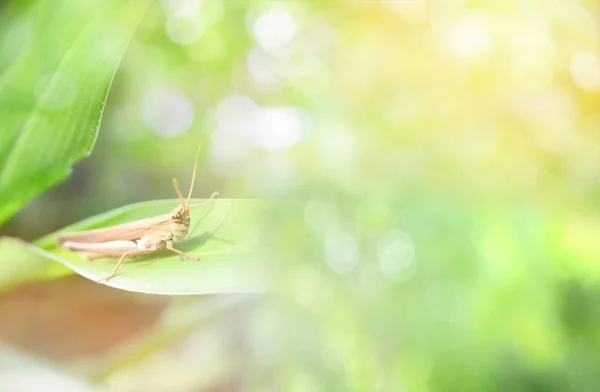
[(178, 190), (193, 176), (215, 194)]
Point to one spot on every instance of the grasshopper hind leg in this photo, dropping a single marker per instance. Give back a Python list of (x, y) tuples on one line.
[(130, 253), (138, 252)]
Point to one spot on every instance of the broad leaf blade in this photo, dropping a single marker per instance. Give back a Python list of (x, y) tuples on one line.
[(53, 94), (226, 237), (21, 263)]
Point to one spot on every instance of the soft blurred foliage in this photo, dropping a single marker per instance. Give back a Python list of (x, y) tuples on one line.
[(53, 89), (447, 159)]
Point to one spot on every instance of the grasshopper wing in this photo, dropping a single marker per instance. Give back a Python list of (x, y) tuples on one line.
[(129, 231)]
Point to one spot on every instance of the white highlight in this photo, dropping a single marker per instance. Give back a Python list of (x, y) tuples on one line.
[(182, 6), (470, 37), (585, 71), (236, 113), (168, 113), (185, 28), (279, 129), (243, 126), (273, 29)]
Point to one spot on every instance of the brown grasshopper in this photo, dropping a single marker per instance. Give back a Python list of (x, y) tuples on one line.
[(139, 237)]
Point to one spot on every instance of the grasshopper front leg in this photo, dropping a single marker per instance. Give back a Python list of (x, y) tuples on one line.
[(172, 249)]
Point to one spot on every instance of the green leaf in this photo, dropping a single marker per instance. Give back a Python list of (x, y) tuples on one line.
[(224, 233), (53, 94), (21, 262)]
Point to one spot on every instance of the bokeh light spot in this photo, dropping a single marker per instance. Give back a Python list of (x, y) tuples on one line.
[(185, 28), (264, 68), (273, 29), (182, 6), (280, 128), (396, 252), (341, 251), (230, 145), (470, 37), (235, 113), (585, 70), (168, 113)]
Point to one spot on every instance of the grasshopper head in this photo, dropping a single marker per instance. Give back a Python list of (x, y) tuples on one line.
[(180, 223), (180, 216)]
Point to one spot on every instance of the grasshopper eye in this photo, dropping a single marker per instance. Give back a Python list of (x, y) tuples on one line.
[(179, 214)]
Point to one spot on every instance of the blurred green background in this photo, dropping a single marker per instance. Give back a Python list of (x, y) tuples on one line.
[(446, 157)]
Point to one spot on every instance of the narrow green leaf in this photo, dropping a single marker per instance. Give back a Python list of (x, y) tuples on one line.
[(21, 262), (225, 234), (52, 95)]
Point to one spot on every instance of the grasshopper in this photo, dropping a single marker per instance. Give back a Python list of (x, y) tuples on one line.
[(139, 237)]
